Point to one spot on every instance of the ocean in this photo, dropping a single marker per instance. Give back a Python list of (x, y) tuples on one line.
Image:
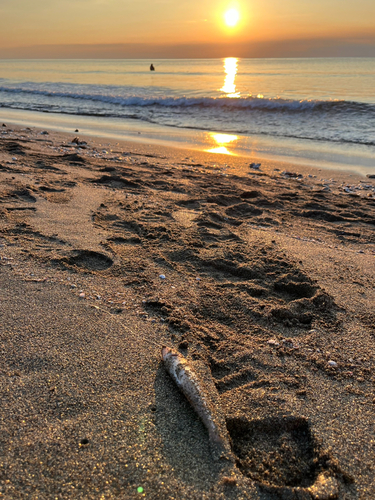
[(313, 111)]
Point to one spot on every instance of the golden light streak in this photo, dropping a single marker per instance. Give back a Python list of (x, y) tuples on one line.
[(230, 68), (221, 140)]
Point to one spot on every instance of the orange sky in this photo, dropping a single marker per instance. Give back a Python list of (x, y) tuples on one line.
[(193, 23)]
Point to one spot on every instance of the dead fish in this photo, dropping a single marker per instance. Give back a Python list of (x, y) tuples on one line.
[(189, 384)]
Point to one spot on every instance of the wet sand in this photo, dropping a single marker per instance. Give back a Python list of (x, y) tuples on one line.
[(263, 276)]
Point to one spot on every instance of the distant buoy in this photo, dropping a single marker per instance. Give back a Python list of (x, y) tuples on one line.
[(152, 67)]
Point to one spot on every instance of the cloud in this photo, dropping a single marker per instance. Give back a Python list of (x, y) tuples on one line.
[(322, 47)]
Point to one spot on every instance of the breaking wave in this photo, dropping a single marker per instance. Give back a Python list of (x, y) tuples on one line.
[(274, 104)]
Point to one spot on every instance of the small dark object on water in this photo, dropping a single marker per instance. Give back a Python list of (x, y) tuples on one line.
[(370, 176), (76, 130), (152, 67), (4, 125)]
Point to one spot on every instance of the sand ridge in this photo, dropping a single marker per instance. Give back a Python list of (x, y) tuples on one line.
[(264, 277)]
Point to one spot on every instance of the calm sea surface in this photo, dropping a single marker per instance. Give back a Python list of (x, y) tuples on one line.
[(320, 111)]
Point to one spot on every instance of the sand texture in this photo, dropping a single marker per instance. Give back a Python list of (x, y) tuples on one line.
[(263, 277)]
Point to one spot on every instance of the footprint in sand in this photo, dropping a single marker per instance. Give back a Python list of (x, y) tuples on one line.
[(86, 259), (281, 455)]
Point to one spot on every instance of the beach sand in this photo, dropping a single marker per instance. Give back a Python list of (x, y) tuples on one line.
[(262, 276)]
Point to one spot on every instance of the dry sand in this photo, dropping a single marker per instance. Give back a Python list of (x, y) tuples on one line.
[(263, 277)]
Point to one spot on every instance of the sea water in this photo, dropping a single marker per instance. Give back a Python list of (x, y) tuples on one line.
[(314, 111)]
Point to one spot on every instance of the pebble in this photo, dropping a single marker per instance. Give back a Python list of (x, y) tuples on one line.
[(255, 166), (289, 343), (292, 175), (82, 295), (332, 363), (358, 189), (273, 342), (162, 276)]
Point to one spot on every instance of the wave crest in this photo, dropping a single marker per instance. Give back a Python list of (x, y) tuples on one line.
[(276, 104)]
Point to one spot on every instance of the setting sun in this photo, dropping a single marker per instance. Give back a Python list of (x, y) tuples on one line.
[(231, 17)]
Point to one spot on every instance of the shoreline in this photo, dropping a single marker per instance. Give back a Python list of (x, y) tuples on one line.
[(261, 276), (235, 146)]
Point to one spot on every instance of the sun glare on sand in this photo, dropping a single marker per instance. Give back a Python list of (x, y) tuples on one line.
[(221, 141), (231, 17)]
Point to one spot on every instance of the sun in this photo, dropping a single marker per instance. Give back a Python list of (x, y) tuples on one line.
[(231, 17)]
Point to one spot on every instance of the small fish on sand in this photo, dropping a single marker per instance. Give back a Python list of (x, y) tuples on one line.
[(198, 396)]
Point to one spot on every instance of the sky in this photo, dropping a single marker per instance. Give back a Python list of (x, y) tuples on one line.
[(186, 28)]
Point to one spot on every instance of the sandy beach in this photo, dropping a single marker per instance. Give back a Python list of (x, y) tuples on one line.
[(260, 273)]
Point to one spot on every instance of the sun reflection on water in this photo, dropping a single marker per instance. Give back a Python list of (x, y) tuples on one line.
[(230, 68), (221, 140)]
